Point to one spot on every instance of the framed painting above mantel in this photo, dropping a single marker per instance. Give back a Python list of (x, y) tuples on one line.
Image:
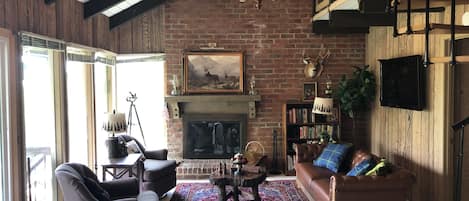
[(213, 72)]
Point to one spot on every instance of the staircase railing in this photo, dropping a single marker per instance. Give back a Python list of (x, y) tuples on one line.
[(459, 126)]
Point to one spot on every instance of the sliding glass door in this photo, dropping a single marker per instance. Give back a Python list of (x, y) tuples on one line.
[(80, 106), (40, 125)]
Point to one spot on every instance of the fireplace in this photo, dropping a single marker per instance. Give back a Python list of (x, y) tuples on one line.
[(213, 136)]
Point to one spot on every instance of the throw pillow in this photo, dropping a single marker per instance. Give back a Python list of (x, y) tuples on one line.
[(96, 189), (132, 147), (332, 156), (380, 169), (361, 168)]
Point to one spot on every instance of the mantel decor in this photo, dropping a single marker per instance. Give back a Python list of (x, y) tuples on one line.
[(226, 104), (213, 72)]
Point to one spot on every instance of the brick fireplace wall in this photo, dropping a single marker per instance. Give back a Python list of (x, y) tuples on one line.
[(273, 39)]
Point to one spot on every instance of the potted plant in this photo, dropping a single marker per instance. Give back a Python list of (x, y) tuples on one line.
[(356, 93)]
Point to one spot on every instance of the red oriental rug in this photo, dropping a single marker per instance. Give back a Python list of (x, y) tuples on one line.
[(282, 190)]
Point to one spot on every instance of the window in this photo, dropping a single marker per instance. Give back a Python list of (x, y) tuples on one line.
[(143, 75), (79, 106), (41, 116)]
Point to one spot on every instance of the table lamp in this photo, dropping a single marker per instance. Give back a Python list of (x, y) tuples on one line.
[(114, 123), (323, 106)]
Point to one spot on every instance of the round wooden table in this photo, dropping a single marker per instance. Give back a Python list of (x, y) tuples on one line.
[(247, 179)]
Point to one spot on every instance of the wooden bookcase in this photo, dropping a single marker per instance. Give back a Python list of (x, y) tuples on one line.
[(300, 125)]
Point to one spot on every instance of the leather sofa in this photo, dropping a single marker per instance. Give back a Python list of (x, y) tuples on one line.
[(79, 183), (321, 184), (158, 174)]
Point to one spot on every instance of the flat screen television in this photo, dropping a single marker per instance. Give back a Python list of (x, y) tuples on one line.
[(403, 82)]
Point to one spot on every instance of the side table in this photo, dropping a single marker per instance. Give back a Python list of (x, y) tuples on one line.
[(118, 167), (247, 179)]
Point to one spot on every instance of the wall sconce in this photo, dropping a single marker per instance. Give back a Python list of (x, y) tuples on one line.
[(314, 68)]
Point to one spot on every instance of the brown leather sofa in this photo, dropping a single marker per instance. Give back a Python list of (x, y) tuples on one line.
[(321, 184)]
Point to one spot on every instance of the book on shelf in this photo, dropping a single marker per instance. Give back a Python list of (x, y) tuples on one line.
[(307, 132), (300, 116)]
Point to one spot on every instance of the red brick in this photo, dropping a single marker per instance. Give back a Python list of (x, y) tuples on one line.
[(273, 39)]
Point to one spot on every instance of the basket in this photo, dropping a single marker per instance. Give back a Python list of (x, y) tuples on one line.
[(254, 153)]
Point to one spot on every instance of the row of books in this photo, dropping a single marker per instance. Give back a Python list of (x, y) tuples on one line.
[(310, 132), (291, 160), (300, 115)]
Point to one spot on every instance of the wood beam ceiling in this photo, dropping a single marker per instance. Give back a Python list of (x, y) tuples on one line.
[(94, 7), (132, 12)]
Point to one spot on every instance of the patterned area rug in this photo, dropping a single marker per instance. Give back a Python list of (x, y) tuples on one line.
[(282, 190)]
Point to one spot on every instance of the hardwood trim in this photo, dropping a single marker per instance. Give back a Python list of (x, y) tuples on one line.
[(17, 174)]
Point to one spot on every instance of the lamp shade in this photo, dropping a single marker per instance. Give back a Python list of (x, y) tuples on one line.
[(115, 122), (323, 106)]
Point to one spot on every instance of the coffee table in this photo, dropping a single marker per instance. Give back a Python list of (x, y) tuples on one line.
[(247, 179)]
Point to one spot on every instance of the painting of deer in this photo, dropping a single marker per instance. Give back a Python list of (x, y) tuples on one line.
[(213, 72)]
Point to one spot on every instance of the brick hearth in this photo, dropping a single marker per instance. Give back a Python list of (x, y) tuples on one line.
[(199, 168)]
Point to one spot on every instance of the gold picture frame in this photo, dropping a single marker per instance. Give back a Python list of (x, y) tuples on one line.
[(213, 72), (310, 91)]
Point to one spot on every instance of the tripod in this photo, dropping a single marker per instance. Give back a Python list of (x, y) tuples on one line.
[(132, 98)]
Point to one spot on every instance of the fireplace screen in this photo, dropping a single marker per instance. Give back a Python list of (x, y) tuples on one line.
[(213, 136)]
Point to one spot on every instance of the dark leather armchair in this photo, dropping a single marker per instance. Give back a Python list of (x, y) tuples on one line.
[(159, 173), (79, 183)]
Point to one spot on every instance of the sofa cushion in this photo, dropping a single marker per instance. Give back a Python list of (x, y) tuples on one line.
[(155, 169), (361, 168), (306, 170), (359, 156), (332, 156)]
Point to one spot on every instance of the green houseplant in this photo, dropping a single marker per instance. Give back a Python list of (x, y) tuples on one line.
[(356, 93)]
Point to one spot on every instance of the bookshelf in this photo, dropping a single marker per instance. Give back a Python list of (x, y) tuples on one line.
[(300, 125)]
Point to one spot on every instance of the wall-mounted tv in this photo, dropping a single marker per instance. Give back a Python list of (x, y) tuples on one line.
[(403, 82)]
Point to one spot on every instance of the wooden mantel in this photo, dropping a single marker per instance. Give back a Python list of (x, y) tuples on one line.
[(224, 104)]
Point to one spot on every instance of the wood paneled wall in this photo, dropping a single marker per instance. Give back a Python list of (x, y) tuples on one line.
[(417, 140), (64, 20)]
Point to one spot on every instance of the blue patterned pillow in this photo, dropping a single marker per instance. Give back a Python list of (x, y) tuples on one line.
[(361, 168), (332, 156)]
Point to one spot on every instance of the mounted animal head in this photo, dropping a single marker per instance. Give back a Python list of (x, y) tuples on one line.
[(315, 68)]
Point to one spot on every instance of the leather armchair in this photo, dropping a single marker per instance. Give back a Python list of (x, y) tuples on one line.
[(158, 174), (79, 183)]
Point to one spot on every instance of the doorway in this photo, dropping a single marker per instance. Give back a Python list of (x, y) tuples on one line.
[(461, 108)]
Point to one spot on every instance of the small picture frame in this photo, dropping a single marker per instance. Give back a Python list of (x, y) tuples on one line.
[(310, 90), (334, 117)]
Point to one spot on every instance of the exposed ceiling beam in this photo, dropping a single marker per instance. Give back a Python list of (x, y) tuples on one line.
[(356, 19), (94, 7), (49, 1), (132, 12), (324, 27)]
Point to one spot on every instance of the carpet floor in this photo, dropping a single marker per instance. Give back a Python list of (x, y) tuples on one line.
[(279, 190)]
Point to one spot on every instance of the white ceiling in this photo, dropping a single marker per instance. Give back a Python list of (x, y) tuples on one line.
[(117, 8)]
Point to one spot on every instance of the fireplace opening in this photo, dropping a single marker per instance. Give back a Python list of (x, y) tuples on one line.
[(210, 136)]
